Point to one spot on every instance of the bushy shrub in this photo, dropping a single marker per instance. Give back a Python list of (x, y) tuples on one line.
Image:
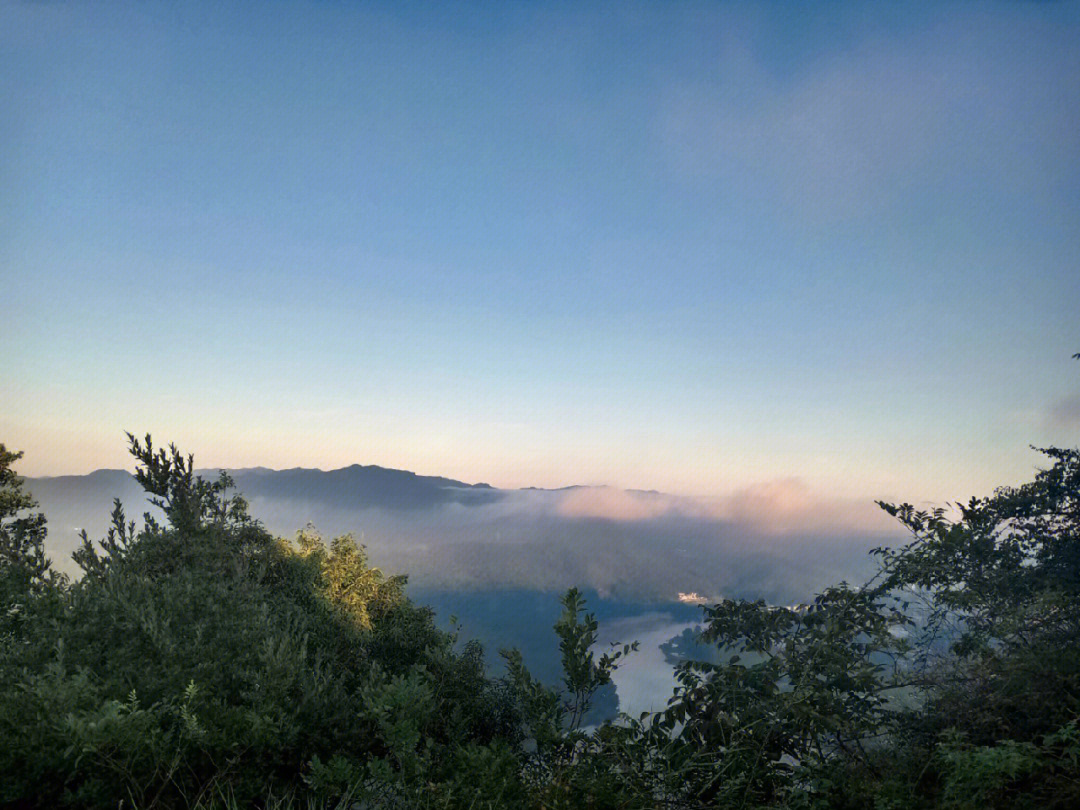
[(202, 662), (204, 657)]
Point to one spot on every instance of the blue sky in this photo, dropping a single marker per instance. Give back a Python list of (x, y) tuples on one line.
[(688, 247)]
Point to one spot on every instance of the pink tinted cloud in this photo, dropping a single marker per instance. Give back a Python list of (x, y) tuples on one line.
[(615, 504), (786, 506)]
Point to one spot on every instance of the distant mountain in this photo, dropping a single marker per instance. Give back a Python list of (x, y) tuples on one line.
[(68, 500), (289, 498), (359, 487), (355, 487)]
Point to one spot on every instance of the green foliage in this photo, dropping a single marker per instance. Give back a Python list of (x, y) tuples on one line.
[(203, 657), (562, 767), (1010, 772), (26, 576), (202, 662), (798, 686)]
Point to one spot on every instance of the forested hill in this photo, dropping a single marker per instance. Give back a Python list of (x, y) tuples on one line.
[(360, 486), (355, 486)]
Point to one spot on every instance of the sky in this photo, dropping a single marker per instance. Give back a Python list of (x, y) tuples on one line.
[(697, 248)]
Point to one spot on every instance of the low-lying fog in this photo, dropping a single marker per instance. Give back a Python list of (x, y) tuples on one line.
[(775, 541)]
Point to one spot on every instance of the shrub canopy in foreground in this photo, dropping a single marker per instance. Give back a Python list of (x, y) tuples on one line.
[(200, 661)]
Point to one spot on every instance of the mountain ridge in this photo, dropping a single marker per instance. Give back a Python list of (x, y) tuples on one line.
[(248, 473)]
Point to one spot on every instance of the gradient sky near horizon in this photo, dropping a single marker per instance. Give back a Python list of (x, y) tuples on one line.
[(680, 246)]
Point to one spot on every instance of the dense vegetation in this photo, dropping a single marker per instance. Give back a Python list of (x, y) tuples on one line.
[(200, 661)]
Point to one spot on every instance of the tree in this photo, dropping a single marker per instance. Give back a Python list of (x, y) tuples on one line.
[(202, 659), (25, 570)]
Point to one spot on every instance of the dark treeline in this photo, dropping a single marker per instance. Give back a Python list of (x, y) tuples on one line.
[(199, 661)]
